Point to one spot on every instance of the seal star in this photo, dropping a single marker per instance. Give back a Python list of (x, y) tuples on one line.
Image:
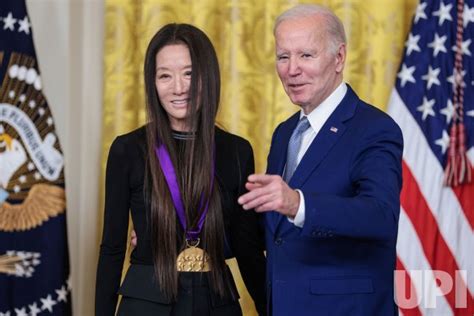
[(9, 22)]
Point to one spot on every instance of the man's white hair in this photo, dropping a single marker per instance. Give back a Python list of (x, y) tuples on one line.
[(334, 27)]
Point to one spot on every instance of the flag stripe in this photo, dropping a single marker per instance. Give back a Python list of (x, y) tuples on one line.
[(410, 253), (438, 254), (464, 195), (470, 155), (441, 201), (408, 291)]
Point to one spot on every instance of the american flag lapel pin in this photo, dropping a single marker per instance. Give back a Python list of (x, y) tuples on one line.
[(333, 129)]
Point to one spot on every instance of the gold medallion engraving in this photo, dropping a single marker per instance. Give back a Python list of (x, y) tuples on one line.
[(193, 259)]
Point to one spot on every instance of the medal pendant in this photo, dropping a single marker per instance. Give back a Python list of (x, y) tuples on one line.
[(193, 259)]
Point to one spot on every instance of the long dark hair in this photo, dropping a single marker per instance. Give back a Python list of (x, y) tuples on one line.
[(193, 165)]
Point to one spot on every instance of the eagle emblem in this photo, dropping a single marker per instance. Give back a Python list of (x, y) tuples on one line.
[(31, 162)]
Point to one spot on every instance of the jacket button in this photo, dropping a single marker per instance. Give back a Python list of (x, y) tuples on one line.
[(278, 241)]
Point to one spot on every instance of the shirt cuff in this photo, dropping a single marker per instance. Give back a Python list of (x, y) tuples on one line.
[(300, 213)]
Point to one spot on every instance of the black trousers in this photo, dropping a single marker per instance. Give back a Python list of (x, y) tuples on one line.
[(194, 298)]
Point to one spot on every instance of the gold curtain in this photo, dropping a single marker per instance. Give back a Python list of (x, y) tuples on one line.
[(252, 101)]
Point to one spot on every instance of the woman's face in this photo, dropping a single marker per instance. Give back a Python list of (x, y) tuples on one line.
[(172, 82)]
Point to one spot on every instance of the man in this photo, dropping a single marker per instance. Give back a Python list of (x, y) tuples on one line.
[(331, 192)]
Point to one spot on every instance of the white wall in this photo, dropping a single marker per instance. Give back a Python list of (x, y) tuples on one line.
[(68, 35)]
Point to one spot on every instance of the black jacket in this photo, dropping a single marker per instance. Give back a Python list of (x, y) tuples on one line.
[(124, 192)]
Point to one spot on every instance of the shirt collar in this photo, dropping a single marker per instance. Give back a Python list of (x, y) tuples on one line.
[(321, 113)]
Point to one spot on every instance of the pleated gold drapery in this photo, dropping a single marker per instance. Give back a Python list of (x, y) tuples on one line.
[(253, 101)]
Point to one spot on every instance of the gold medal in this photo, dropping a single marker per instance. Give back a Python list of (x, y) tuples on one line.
[(193, 259)]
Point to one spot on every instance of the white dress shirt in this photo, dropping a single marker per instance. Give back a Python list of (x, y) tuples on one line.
[(317, 118)]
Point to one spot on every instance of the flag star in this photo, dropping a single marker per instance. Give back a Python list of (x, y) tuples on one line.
[(454, 75), (5, 314), (443, 13), (420, 12), (467, 15), (412, 44), (48, 303), (21, 312), (49, 121), (432, 76), (464, 47), (9, 22), (438, 44), (406, 74), (448, 111), (426, 108), (62, 294), (443, 142), (24, 25), (34, 310), (470, 113)]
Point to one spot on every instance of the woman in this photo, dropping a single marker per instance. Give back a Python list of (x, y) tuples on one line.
[(180, 177)]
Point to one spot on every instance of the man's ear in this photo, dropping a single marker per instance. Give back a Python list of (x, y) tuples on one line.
[(340, 57)]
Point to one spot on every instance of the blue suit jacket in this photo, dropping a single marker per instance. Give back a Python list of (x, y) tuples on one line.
[(342, 261)]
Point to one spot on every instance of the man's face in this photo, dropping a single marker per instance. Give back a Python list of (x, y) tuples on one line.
[(307, 65)]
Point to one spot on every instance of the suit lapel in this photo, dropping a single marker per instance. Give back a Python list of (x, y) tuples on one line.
[(329, 134), (327, 137), (277, 157)]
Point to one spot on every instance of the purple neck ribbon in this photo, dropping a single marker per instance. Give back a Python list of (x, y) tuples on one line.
[(169, 172)]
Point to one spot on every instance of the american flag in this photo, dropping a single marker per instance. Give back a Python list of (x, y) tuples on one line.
[(435, 245)]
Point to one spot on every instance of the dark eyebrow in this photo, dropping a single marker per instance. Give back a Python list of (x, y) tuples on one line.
[(166, 68)]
